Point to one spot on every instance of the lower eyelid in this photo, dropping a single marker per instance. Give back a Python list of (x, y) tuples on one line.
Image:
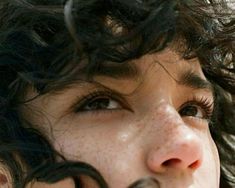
[(196, 121), (100, 114)]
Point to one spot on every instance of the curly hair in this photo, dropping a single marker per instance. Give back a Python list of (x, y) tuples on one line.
[(43, 43)]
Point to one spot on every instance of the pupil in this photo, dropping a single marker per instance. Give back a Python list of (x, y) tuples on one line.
[(98, 104), (189, 111)]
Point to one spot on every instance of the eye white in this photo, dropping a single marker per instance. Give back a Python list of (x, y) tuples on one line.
[(102, 104), (199, 113), (113, 104)]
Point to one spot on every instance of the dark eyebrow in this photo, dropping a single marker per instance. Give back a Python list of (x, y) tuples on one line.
[(117, 70), (127, 70), (193, 80), (130, 70)]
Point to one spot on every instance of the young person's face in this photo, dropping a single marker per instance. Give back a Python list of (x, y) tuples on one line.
[(148, 121)]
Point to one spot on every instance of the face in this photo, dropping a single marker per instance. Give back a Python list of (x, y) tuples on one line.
[(149, 118)]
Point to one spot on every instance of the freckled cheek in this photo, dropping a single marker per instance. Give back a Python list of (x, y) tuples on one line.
[(90, 142), (110, 149), (110, 157)]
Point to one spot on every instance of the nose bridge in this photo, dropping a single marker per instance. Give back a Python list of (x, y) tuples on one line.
[(162, 120), (173, 143), (164, 115)]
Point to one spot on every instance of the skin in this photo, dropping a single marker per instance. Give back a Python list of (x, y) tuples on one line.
[(140, 133)]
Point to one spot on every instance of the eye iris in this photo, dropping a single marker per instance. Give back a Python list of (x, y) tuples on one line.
[(189, 111), (100, 103)]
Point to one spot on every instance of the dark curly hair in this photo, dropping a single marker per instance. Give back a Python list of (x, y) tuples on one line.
[(43, 43)]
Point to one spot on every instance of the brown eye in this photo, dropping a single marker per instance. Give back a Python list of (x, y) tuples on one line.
[(192, 110), (100, 103)]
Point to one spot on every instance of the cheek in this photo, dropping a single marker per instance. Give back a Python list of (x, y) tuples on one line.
[(93, 138), (211, 160), (109, 148), (95, 144), (214, 152), (215, 158)]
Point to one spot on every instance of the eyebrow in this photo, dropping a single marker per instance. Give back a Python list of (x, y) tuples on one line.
[(117, 70), (193, 80), (131, 71), (126, 70)]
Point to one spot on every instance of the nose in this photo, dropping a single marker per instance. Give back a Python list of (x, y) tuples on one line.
[(180, 148), (184, 153)]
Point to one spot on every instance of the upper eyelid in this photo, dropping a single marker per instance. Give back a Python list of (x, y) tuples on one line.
[(94, 95), (199, 100), (81, 100), (203, 101), (199, 95)]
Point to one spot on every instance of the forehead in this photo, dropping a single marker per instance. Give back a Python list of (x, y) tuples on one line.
[(171, 61)]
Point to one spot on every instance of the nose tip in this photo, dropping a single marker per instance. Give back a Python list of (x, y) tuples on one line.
[(181, 154)]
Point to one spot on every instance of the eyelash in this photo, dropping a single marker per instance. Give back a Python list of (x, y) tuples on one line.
[(206, 104), (84, 100)]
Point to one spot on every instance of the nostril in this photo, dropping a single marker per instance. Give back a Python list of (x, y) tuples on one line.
[(195, 165), (172, 162), (184, 153)]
